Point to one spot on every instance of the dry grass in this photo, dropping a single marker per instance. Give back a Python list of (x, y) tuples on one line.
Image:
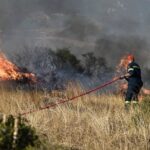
[(94, 122)]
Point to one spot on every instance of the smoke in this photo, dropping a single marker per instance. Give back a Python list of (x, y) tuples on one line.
[(112, 47), (79, 28), (112, 16), (110, 28)]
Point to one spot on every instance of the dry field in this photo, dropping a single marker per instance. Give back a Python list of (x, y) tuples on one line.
[(94, 122)]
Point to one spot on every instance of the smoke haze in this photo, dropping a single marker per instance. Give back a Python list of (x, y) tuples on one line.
[(110, 28)]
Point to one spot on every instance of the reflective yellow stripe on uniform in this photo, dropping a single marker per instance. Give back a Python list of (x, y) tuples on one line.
[(130, 69), (127, 102)]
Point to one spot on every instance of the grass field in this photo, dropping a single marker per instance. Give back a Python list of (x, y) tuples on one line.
[(94, 122)]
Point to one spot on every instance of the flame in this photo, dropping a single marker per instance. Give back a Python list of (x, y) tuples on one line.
[(9, 71), (146, 91), (120, 69), (122, 64)]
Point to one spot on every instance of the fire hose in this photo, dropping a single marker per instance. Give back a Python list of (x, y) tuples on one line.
[(53, 105)]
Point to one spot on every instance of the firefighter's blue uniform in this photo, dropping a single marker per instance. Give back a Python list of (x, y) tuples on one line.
[(134, 83)]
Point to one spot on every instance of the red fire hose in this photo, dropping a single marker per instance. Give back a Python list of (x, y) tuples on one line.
[(52, 105)]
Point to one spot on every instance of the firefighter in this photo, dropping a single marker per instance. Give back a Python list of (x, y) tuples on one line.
[(133, 77)]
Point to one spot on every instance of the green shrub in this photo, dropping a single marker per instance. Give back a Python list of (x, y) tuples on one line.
[(67, 57), (94, 65), (6, 134), (26, 136)]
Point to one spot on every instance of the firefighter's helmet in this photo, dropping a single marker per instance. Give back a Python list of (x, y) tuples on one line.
[(130, 57)]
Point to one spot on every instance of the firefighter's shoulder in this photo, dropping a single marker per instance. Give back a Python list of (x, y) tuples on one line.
[(135, 66), (130, 67)]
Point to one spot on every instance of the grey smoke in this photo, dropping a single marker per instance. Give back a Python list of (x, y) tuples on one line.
[(113, 47), (78, 24), (80, 28)]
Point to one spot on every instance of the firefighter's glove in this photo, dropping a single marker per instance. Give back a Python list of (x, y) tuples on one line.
[(122, 77)]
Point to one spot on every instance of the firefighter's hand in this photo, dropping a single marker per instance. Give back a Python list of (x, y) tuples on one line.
[(121, 77)]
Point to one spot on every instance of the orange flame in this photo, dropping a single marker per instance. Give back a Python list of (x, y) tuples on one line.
[(146, 91), (9, 71), (122, 64)]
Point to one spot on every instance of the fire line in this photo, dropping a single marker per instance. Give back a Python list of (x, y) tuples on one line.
[(11, 72)]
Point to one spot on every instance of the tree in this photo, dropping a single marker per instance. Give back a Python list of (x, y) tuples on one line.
[(66, 57), (26, 136), (94, 65)]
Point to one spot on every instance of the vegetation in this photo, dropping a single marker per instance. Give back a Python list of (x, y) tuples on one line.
[(91, 123), (45, 59), (66, 57), (90, 65), (27, 137), (94, 65)]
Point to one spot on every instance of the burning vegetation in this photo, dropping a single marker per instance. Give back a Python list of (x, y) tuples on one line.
[(50, 69), (11, 72)]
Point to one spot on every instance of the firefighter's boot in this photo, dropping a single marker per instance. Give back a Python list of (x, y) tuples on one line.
[(127, 106)]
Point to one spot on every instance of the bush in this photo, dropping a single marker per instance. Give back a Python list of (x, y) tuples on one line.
[(27, 137), (67, 57), (94, 65)]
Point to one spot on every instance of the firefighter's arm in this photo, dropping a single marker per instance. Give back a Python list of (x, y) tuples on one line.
[(128, 74)]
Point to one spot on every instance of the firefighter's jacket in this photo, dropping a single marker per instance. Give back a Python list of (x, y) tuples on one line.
[(135, 75)]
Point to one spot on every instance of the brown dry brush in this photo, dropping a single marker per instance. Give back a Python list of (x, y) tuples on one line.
[(92, 122)]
